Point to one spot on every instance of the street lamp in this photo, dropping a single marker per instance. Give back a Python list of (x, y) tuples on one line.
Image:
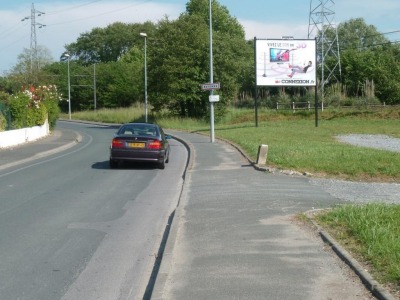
[(67, 56), (145, 74)]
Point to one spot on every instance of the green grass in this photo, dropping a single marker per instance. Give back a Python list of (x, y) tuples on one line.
[(117, 115), (294, 141), (371, 231), (299, 145)]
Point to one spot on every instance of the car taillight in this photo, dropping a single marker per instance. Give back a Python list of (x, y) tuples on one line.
[(156, 144), (116, 143)]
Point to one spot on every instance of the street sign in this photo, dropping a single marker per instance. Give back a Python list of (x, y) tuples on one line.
[(213, 98), (210, 86)]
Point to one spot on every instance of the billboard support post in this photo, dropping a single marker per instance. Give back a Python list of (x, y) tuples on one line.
[(255, 84), (316, 106), (316, 91)]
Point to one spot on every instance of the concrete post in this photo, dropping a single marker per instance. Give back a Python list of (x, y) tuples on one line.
[(262, 155)]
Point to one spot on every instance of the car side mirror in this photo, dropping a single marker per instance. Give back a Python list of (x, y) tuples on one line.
[(168, 137)]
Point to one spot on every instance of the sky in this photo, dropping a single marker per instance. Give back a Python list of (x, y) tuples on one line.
[(66, 20)]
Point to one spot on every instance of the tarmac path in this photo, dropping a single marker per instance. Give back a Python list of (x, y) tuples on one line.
[(233, 235)]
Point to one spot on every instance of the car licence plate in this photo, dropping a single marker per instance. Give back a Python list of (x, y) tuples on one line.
[(136, 145)]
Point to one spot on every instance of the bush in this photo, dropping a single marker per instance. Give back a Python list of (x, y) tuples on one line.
[(4, 99), (3, 122), (19, 106), (50, 97), (32, 107), (53, 111)]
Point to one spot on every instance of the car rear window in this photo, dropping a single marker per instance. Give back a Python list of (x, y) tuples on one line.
[(139, 130)]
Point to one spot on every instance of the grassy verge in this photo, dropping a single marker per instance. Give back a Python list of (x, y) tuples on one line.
[(298, 145), (371, 233)]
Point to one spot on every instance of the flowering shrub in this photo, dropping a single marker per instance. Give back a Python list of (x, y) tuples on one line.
[(50, 97), (32, 106)]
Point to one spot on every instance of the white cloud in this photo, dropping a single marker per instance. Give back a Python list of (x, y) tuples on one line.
[(66, 21), (273, 30), (66, 26)]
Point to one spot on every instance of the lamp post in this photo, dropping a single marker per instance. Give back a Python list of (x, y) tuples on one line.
[(145, 74), (67, 56)]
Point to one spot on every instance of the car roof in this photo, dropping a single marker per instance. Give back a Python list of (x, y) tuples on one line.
[(140, 124)]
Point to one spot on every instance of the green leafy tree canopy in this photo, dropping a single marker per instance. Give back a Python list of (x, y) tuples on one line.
[(108, 44)]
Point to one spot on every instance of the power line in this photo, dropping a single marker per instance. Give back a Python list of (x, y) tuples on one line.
[(102, 14), (11, 30), (12, 43), (15, 28), (72, 8), (381, 33), (18, 26), (371, 46)]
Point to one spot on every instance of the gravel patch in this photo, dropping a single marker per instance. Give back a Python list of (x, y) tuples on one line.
[(362, 191), (377, 141)]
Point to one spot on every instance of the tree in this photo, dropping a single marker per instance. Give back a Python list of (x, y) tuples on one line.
[(356, 34), (177, 66), (119, 84), (108, 44), (28, 69), (222, 21), (179, 60), (379, 65), (366, 55), (26, 62)]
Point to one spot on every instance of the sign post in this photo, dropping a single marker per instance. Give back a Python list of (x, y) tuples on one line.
[(212, 99)]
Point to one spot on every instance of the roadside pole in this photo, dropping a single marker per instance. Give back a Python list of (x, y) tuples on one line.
[(211, 80)]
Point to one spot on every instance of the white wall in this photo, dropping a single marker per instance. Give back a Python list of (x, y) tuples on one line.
[(20, 136)]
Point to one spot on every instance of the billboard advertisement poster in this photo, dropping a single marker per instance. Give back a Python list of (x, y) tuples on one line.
[(285, 62)]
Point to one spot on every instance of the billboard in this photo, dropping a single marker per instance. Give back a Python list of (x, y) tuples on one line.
[(285, 62)]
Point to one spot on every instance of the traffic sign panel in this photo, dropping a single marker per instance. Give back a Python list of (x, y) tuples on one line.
[(210, 86), (213, 98)]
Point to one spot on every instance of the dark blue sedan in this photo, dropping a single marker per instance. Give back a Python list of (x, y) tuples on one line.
[(143, 142)]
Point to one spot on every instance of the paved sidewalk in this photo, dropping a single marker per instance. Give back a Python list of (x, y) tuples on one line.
[(234, 237), (57, 141)]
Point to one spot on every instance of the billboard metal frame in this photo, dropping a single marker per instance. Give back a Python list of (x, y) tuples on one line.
[(285, 62)]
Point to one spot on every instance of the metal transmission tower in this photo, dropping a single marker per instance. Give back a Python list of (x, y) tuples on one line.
[(33, 54), (321, 25)]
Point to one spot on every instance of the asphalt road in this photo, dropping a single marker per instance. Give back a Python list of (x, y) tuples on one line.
[(71, 228)]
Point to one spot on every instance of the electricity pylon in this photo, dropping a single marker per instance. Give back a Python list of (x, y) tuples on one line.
[(321, 20), (33, 54)]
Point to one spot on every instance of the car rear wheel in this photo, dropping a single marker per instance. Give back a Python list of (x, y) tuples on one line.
[(113, 164), (161, 165), (167, 160)]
